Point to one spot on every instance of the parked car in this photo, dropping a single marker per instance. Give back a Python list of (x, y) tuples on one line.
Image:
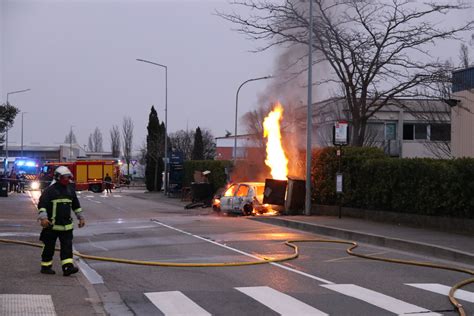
[(244, 198)]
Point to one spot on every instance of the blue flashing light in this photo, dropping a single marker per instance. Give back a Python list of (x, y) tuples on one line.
[(20, 163), (30, 164)]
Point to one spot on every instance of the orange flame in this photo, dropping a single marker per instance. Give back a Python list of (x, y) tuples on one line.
[(276, 158)]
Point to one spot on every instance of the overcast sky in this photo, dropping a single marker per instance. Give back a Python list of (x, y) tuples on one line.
[(78, 59)]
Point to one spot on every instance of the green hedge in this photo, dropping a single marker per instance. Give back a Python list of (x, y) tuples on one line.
[(217, 178), (374, 181)]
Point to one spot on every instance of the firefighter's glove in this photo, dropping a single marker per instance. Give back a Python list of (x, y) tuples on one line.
[(45, 223), (82, 223)]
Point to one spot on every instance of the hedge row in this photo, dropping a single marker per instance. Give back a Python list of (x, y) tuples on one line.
[(374, 181)]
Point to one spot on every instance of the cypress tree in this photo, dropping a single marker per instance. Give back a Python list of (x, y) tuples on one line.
[(198, 147), (154, 161)]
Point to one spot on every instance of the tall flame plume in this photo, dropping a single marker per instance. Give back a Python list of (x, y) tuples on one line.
[(276, 158)]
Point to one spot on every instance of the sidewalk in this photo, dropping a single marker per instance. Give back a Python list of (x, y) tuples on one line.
[(427, 242)]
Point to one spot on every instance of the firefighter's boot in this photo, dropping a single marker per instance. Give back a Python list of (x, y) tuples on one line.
[(47, 270), (69, 269)]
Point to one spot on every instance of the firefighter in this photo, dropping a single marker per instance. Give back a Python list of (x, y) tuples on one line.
[(55, 205), (108, 184)]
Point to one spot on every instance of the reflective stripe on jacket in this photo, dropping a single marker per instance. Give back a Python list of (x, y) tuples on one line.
[(56, 204)]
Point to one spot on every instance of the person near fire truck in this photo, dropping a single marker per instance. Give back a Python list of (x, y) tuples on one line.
[(108, 183), (21, 182), (54, 206)]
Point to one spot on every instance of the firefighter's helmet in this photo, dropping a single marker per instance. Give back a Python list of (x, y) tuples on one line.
[(62, 171)]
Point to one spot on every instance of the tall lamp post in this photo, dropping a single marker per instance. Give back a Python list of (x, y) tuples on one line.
[(22, 114), (236, 111), (309, 121), (166, 121), (6, 133)]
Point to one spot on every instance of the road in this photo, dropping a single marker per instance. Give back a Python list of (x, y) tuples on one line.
[(324, 280)]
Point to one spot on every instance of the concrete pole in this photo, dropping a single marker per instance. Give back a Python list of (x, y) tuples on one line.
[(309, 121)]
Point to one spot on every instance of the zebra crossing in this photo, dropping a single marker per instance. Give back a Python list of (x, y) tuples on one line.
[(175, 303)]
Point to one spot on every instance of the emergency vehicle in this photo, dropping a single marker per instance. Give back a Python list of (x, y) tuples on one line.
[(28, 167), (88, 174)]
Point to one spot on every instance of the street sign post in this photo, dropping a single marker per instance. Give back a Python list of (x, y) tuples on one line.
[(341, 133)]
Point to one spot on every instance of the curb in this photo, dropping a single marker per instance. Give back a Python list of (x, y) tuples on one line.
[(377, 240)]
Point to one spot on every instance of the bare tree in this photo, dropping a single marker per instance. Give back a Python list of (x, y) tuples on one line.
[(115, 141), (90, 143), (70, 137), (379, 50), (95, 141), (182, 141), (464, 56), (209, 144), (127, 136)]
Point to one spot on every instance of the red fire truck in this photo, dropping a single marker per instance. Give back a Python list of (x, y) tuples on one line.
[(88, 174)]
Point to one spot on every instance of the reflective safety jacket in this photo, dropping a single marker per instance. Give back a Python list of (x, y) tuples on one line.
[(56, 204)]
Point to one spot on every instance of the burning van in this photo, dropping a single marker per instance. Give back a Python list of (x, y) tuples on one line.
[(244, 198)]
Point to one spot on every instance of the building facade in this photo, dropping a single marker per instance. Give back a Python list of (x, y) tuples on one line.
[(462, 113), (406, 128)]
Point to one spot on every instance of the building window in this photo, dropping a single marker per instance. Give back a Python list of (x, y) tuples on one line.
[(408, 131), (421, 131), (440, 132), (415, 131)]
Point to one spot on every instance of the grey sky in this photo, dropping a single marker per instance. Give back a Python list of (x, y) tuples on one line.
[(78, 59)]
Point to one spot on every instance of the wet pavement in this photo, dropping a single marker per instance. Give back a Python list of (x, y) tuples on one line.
[(429, 242)]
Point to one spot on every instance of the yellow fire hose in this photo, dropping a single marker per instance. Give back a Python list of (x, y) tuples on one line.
[(265, 260)]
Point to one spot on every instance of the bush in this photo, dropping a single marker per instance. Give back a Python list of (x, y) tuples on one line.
[(374, 181)]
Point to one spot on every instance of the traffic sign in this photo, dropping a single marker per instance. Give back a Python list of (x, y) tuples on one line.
[(341, 135)]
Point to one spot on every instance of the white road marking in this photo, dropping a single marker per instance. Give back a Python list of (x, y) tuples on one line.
[(246, 254), (281, 303), (139, 227), (444, 289), (16, 234), (91, 275), (174, 303), (380, 300), (24, 304), (98, 202)]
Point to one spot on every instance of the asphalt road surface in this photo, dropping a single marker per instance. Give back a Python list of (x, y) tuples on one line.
[(324, 280)]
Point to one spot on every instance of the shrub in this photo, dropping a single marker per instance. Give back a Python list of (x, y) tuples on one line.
[(374, 181)]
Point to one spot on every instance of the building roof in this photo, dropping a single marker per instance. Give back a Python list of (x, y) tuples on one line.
[(411, 105)]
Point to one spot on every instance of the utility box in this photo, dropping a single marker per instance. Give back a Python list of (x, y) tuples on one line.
[(295, 197), (201, 192), (275, 191), (4, 188)]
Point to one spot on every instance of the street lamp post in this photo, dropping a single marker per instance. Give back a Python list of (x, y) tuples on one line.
[(166, 123), (22, 114), (70, 143), (309, 121), (236, 111), (6, 133)]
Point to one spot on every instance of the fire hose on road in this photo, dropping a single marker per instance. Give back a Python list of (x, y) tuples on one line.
[(267, 260)]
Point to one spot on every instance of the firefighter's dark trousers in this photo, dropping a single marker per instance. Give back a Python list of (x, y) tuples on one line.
[(48, 237)]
